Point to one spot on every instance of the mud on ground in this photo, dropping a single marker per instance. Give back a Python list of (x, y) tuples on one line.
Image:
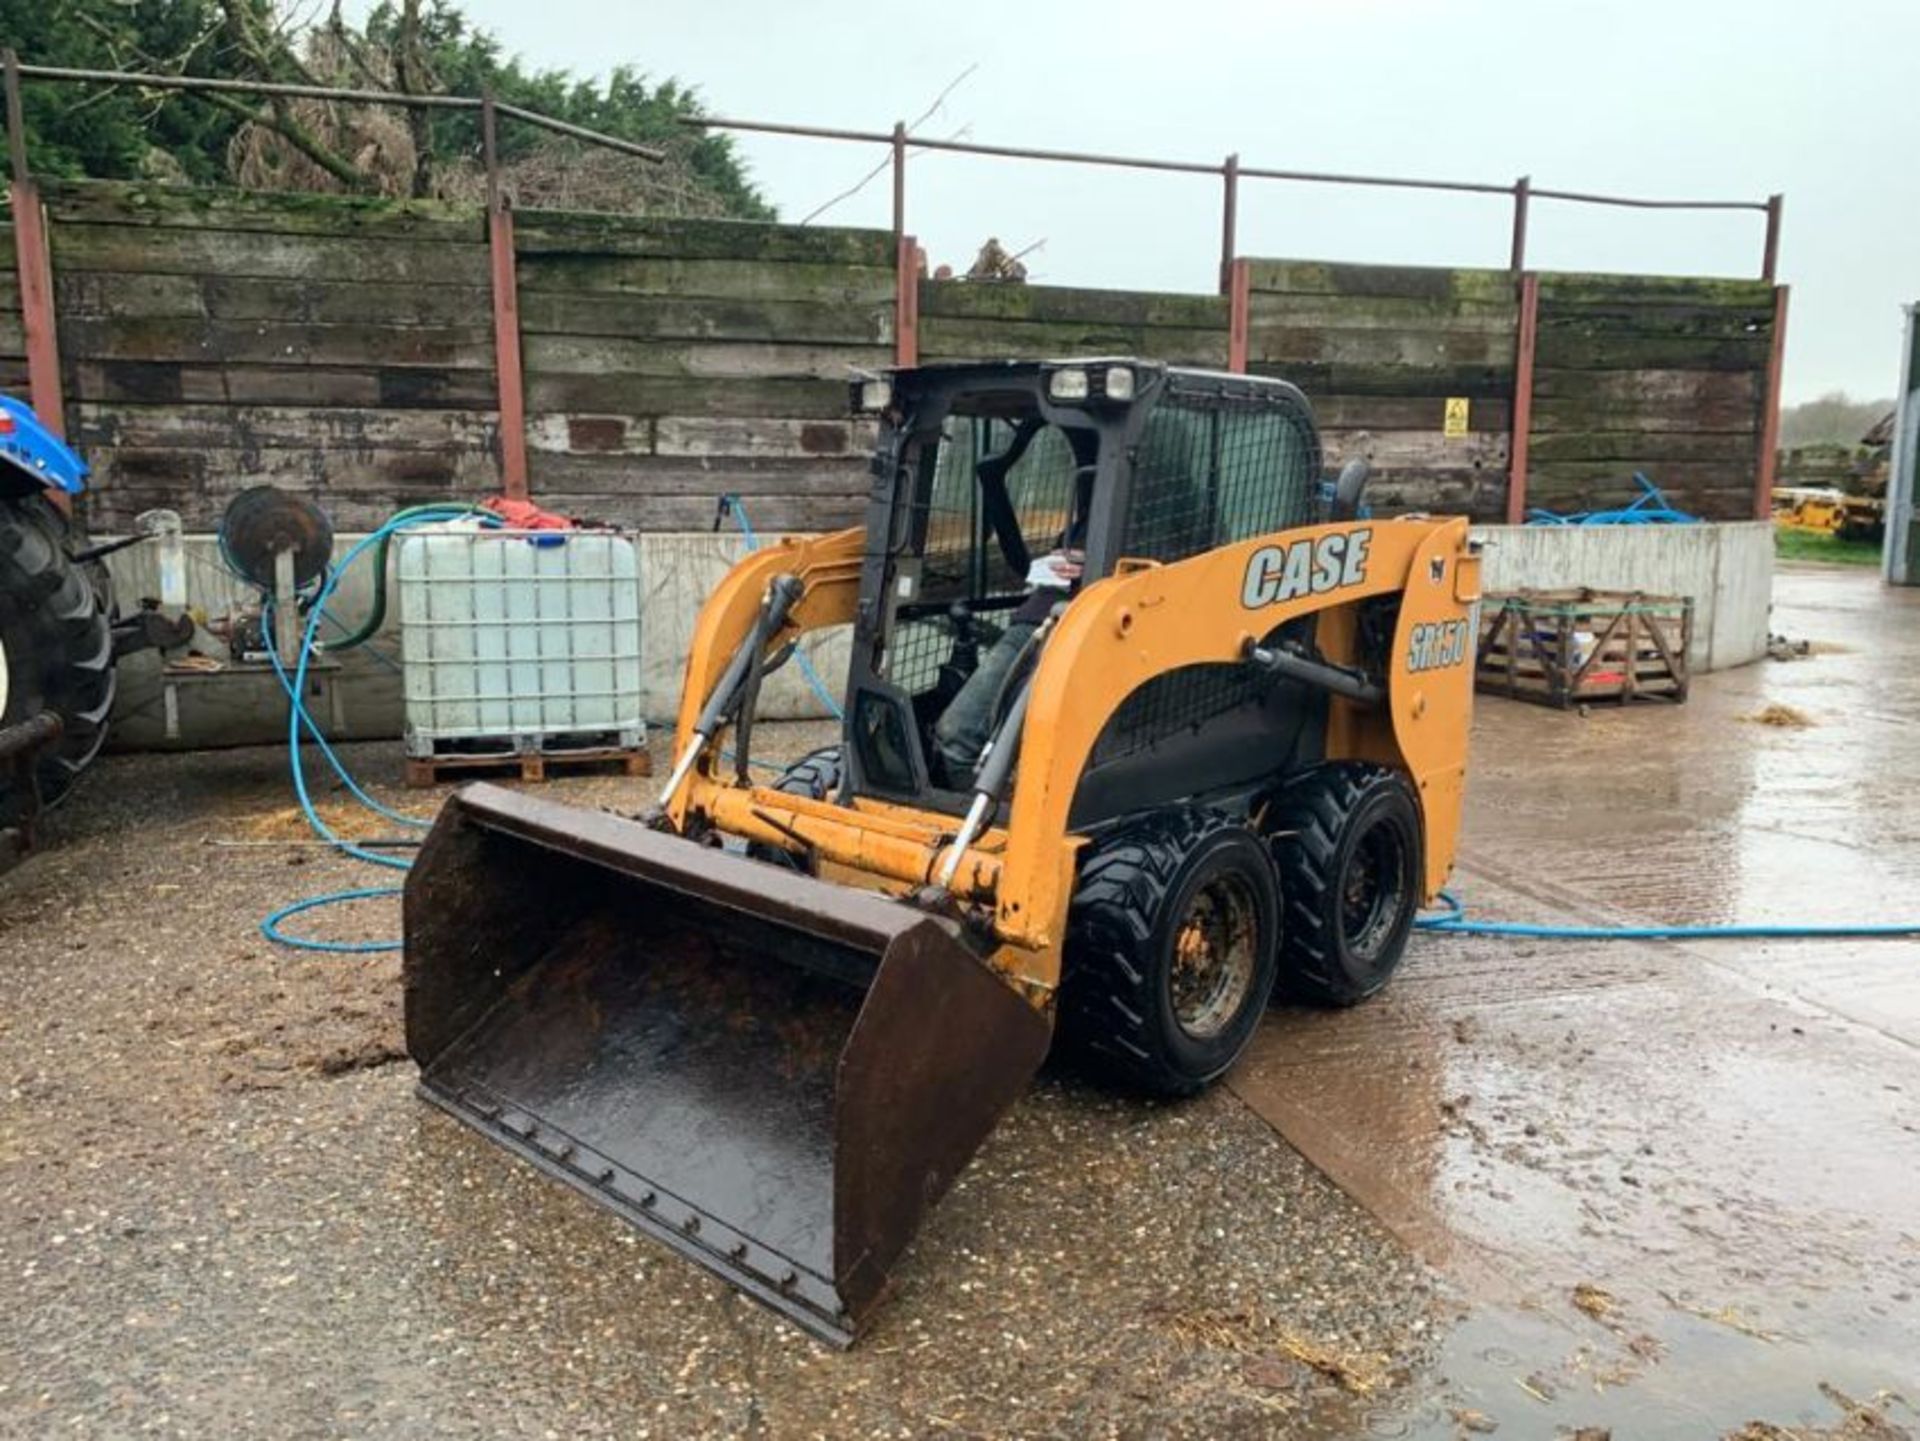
[(1663, 1189)]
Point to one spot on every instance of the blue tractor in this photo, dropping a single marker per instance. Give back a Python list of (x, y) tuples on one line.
[(56, 620)]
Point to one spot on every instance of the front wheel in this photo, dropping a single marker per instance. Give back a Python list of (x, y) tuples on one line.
[(1170, 950), (1348, 840), (56, 648)]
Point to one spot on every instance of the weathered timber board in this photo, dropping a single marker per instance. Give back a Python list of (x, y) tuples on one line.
[(160, 382), (945, 339), (274, 212), (972, 300), (1414, 282), (549, 355), (561, 232), (163, 250), (265, 342), (721, 439), (778, 511), (1272, 341), (1573, 350), (740, 279), (681, 476), (104, 294), (1348, 379), (1720, 322), (660, 317), (669, 395), (263, 427), (1658, 386), (1641, 445), (1574, 288), (1413, 412)]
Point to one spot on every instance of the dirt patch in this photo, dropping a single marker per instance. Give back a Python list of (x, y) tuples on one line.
[(1786, 717)]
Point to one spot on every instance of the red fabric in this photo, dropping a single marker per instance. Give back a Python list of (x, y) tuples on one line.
[(525, 515)]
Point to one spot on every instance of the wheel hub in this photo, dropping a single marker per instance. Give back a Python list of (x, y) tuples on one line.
[(1213, 957)]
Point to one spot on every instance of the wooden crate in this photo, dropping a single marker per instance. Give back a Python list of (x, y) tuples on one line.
[(1572, 647)]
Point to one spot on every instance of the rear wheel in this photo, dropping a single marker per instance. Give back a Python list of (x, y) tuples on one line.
[(815, 776), (1170, 950), (56, 648), (1348, 840)]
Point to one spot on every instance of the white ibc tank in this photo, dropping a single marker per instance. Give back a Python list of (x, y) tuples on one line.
[(525, 639)]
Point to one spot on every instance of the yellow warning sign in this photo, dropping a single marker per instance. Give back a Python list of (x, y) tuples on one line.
[(1456, 422)]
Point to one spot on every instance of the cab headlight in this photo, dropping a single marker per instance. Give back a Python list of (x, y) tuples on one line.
[(875, 395), (1067, 383), (1119, 382)]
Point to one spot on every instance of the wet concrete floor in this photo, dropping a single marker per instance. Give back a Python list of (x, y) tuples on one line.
[(1667, 1188), (1678, 1183)]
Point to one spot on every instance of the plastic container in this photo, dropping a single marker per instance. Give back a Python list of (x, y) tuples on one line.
[(519, 641)]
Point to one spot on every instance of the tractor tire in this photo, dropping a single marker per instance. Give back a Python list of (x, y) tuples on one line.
[(1348, 841), (815, 776), (56, 648), (1171, 949)]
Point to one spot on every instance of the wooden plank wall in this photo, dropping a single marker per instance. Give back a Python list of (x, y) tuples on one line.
[(13, 341), (1379, 349), (212, 340), (973, 320), (670, 361), (1661, 375)]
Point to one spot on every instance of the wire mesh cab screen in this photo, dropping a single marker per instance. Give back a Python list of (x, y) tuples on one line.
[(1209, 468), (953, 550)]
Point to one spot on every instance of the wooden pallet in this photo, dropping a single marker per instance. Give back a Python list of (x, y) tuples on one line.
[(532, 765), (1573, 647)]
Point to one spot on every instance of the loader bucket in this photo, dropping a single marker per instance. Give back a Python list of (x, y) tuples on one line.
[(776, 1076)]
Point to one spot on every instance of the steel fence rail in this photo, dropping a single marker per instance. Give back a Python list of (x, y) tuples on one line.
[(1231, 171)]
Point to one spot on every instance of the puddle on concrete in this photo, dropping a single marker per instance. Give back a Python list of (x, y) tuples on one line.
[(1723, 1137)]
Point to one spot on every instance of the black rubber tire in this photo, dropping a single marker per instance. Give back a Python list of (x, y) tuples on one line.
[(1117, 1007), (1324, 824), (816, 776), (57, 647)]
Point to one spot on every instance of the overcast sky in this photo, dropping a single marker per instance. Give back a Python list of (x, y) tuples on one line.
[(1674, 99)]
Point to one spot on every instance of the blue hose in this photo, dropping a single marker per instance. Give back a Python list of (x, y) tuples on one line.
[(299, 719), (737, 508), (1453, 920), (270, 927)]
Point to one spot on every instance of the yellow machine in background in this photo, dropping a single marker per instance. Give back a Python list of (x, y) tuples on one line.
[(1142, 722)]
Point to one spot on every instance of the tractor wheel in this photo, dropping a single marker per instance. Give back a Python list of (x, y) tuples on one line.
[(1348, 840), (1170, 950), (56, 649), (815, 776)]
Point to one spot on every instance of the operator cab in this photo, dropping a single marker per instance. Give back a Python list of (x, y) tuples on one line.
[(1001, 490)]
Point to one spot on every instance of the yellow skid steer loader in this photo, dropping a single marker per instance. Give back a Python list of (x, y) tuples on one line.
[(1143, 721)]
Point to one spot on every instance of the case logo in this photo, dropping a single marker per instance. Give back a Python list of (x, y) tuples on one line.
[(1306, 567), (1437, 644)]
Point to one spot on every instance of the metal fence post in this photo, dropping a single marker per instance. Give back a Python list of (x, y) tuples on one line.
[(33, 261), (899, 179), (509, 381), (1770, 255), (1522, 197), (1229, 218), (1520, 440), (1763, 473), (906, 301), (1239, 302)]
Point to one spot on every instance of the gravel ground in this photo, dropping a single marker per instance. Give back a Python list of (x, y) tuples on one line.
[(224, 1212)]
